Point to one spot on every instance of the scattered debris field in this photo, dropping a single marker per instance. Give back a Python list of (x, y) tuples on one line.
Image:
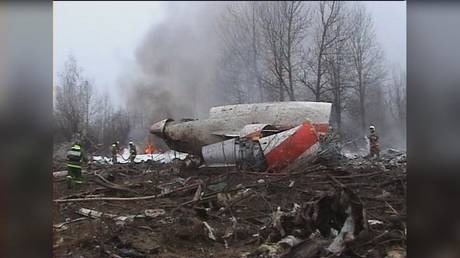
[(356, 208)]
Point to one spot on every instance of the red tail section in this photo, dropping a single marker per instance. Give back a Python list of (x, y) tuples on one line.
[(291, 145)]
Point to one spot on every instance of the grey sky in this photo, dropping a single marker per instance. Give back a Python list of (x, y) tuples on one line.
[(390, 25), (103, 35)]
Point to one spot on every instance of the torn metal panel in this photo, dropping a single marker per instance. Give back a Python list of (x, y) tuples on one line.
[(153, 213), (159, 127), (294, 112), (284, 148), (222, 153), (190, 136), (256, 131), (230, 134), (270, 142), (240, 152), (273, 152), (165, 157)]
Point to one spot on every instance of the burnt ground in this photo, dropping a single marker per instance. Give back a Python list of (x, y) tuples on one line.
[(297, 214)]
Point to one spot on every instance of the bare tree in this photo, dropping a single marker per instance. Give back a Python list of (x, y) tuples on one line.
[(283, 26), (272, 33), (337, 63), (239, 31), (397, 98), (81, 114), (296, 18), (326, 36), (366, 58), (73, 101), (229, 79), (102, 119)]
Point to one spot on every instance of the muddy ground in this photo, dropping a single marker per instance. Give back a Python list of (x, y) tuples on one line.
[(222, 212)]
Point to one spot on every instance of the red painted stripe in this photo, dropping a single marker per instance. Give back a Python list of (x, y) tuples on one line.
[(291, 148)]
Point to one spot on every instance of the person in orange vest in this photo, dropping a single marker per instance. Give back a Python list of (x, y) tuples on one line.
[(374, 149)]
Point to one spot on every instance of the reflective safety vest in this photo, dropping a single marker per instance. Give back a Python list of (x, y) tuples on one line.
[(74, 156), (132, 150), (114, 149)]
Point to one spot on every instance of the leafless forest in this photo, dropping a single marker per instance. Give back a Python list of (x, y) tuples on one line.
[(207, 54)]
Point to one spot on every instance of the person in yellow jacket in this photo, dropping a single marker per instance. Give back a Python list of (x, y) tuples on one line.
[(74, 161)]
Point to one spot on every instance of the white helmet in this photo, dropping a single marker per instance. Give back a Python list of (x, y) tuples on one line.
[(372, 127), (131, 143)]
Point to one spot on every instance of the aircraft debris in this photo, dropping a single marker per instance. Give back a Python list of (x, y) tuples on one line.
[(165, 157), (312, 211), (153, 213), (252, 137)]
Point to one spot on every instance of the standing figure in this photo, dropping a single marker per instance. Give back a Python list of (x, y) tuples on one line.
[(330, 149), (374, 149), (74, 158), (115, 151), (132, 152), (332, 136)]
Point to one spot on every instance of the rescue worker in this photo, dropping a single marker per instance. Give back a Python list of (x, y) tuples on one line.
[(132, 152), (74, 158), (115, 151), (374, 149), (331, 136), (330, 149), (328, 138)]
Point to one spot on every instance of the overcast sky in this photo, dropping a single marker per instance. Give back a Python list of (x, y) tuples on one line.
[(103, 35)]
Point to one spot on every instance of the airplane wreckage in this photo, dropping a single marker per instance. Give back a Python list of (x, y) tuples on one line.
[(256, 137), (352, 208)]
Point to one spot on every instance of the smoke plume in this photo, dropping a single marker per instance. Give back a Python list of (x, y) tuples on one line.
[(176, 65)]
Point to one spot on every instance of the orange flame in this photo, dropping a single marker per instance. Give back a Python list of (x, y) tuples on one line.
[(149, 149)]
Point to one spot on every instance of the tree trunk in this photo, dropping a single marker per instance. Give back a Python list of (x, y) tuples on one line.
[(361, 104), (254, 55), (337, 107), (318, 77), (281, 91), (339, 98)]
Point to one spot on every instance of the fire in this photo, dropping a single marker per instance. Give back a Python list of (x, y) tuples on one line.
[(149, 149)]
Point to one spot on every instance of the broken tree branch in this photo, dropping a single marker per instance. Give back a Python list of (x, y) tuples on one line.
[(126, 198)]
